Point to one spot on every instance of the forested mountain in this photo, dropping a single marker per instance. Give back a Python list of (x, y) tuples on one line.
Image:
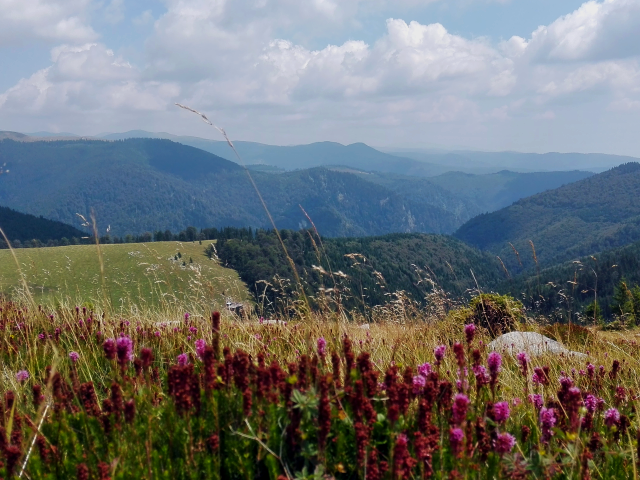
[(572, 286), (24, 227), (595, 214), (466, 195), (147, 185), (373, 267)]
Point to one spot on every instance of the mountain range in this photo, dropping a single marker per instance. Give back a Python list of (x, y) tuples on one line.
[(591, 215), (138, 185)]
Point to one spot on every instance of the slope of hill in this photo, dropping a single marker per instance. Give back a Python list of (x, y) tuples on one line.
[(147, 185), (148, 275), (375, 267), (571, 286), (21, 226), (588, 216)]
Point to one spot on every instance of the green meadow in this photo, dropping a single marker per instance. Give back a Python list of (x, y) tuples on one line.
[(149, 275)]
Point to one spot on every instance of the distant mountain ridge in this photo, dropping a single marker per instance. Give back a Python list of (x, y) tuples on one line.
[(142, 185), (591, 215)]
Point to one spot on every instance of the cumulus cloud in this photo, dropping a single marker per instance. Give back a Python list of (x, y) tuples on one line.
[(86, 79), (250, 62), (45, 20)]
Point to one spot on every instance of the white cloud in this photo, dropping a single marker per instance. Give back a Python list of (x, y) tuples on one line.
[(114, 11), (86, 80), (46, 20)]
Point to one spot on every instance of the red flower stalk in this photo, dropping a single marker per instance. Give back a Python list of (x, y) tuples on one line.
[(241, 363), (476, 357), (445, 392), (12, 453), (615, 368), (215, 325), (110, 350), (362, 441), (116, 399), (349, 359), (16, 431), (82, 472), (301, 384), (483, 439), (246, 402), (595, 443), (209, 360), (137, 365), (184, 388), (129, 411), (37, 396), (335, 363), (403, 463), (324, 412), (525, 431), (313, 370), (373, 472), (213, 442), (458, 350), (278, 379), (390, 381), (104, 471), (43, 449), (89, 400), (541, 375), (146, 355)]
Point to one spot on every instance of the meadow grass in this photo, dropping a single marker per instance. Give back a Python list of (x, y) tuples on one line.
[(266, 401), (136, 275)]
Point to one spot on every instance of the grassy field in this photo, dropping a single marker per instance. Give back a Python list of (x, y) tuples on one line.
[(145, 275)]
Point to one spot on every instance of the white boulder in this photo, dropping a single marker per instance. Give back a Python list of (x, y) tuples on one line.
[(531, 342)]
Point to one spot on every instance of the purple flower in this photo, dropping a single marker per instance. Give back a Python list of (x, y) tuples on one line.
[(42, 336), (504, 443), (501, 411), (109, 347), (424, 369), (481, 375), (612, 417), (470, 332), (157, 334), (523, 360), (183, 359), (547, 422), (536, 400), (439, 353), (590, 403), (74, 356), (187, 315), (566, 382), (193, 330), (200, 346), (460, 406), (456, 436), (322, 345), (22, 376), (124, 348), (418, 383), (494, 361)]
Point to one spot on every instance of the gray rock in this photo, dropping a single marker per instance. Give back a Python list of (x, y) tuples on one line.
[(531, 342)]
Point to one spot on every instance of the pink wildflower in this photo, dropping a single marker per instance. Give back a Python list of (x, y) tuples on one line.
[(504, 443), (612, 417), (74, 356), (22, 376), (439, 353), (322, 346), (501, 411), (183, 359), (460, 406), (200, 346)]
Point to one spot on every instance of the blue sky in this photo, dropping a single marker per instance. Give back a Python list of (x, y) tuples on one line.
[(526, 75)]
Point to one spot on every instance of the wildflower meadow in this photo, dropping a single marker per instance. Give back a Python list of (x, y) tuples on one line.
[(91, 396)]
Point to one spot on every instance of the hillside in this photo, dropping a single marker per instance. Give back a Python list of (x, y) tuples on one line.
[(146, 275), (561, 295), (375, 267), (467, 195), (23, 227), (598, 213), (147, 185)]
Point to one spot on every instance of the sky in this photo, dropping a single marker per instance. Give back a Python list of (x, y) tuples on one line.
[(493, 75)]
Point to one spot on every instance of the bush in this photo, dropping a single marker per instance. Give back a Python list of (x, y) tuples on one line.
[(495, 313)]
